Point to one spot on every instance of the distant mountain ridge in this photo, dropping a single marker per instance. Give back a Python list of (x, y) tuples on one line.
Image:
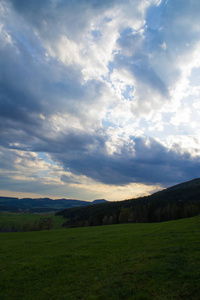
[(41, 204), (179, 201)]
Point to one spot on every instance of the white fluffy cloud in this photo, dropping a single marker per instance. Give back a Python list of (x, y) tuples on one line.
[(107, 90)]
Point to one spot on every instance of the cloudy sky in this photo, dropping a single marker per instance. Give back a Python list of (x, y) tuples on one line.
[(98, 99)]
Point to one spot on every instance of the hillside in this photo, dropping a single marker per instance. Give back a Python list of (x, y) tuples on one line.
[(41, 205), (180, 201)]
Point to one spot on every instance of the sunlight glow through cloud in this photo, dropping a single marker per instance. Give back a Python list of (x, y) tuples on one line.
[(98, 99)]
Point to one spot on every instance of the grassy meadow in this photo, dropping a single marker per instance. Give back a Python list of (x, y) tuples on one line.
[(126, 261), (19, 220)]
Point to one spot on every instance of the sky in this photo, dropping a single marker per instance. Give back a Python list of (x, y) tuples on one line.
[(98, 99)]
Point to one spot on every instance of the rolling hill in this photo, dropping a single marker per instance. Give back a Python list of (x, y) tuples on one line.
[(41, 205), (179, 201)]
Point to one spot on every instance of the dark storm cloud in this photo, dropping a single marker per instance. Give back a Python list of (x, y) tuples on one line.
[(31, 85), (52, 18), (36, 186), (37, 88), (149, 163), (33, 88)]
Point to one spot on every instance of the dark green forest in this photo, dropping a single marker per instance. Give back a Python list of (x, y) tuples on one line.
[(180, 201)]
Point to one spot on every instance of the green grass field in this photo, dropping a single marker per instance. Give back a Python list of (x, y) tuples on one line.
[(9, 220), (129, 261)]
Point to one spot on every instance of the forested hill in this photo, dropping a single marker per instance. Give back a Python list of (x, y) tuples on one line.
[(180, 201), (41, 204)]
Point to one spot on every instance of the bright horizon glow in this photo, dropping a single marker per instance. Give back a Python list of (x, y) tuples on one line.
[(99, 99)]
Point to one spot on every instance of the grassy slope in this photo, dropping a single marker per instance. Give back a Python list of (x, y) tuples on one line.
[(129, 261), (7, 220)]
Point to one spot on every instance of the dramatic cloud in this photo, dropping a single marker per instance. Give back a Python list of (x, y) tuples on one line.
[(98, 98)]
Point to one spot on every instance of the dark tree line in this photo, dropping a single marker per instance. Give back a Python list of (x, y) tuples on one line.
[(181, 201)]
